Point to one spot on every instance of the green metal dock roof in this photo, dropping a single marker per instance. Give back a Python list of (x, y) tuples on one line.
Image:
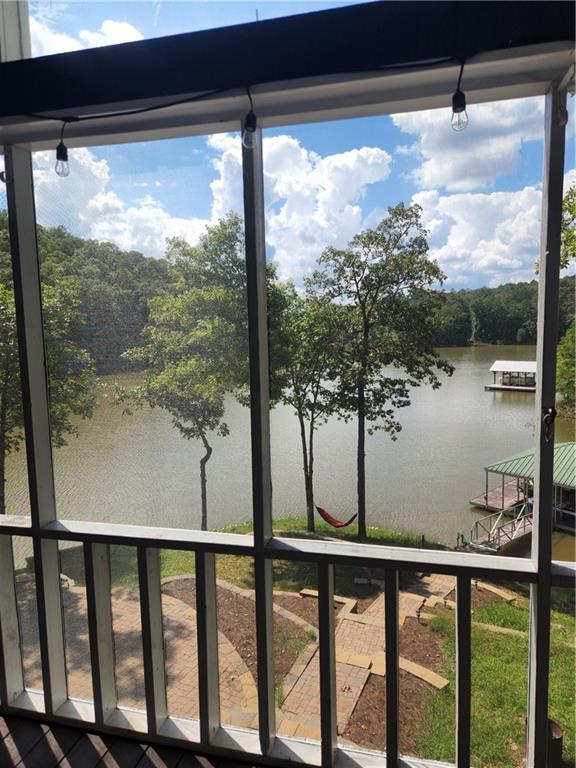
[(522, 465)]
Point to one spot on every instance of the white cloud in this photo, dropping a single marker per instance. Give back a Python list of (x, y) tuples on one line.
[(483, 239), (86, 206), (474, 158), (110, 33), (45, 41), (311, 201)]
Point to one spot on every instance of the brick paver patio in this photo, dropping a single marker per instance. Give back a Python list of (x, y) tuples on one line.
[(237, 688), (359, 642)]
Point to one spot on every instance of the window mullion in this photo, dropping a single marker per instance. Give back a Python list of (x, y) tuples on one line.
[(548, 297), (253, 182), (35, 401)]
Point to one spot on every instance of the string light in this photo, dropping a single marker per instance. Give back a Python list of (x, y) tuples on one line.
[(459, 115), (62, 168), (249, 135)]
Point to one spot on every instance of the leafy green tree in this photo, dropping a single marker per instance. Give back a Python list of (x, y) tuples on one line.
[(568, 242), (566, 370), (568, 245), (70, 368), (454, 322), (387, 285), (313, 328), (195, 343)]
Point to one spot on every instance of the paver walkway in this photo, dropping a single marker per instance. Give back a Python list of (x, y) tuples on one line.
[(359, 641), (238, 693), (360, 645)]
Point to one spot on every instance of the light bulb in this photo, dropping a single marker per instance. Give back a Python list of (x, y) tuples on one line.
[(459, 116), (62, 168), (459, 121), (249, 135)]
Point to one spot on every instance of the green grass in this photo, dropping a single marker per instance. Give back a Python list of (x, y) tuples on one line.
[(382, 536), (499, 688), (503, 615), (288, 575)]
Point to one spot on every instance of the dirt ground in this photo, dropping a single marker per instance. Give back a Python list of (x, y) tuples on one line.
[(367, 726), (236, 619)]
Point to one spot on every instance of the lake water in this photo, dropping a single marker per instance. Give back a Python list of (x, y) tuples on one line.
[(138, 469)]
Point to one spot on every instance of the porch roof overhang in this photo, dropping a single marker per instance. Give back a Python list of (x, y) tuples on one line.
[(377, 58), (521, 465)]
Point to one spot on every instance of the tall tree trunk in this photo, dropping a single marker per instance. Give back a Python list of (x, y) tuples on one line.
[(203, 462), (307, 476), (310, 494), (3, 409), (361, 460)]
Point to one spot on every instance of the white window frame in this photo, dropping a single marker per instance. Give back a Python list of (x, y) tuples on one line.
[(498, 75)]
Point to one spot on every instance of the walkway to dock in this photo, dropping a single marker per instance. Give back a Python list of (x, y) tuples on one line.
[(497, 533)]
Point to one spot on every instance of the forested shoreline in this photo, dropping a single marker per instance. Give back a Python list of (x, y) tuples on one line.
[(365, 331), (113, 289)]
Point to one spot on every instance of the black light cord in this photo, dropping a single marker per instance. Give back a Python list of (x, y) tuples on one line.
[(217, 92), (128, 112), (460, 75)]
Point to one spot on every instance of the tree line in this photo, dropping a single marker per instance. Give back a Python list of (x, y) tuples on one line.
[(507, 314), (353, 343)]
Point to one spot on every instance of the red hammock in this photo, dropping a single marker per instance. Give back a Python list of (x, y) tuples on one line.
[(332, 520)]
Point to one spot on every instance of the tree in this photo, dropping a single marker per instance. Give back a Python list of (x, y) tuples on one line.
[(454, 322), (386, 283), (568, 245), (70, 368), (195, 343), (568, 241), (313, 327), (566, 370)]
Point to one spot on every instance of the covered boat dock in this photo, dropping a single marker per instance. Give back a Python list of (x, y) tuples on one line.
[(510, 503), (515, 375)]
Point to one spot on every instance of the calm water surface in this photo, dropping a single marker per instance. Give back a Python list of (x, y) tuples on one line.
[(137, 469)]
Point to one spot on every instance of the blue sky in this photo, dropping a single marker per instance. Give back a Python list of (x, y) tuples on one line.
[(479, 190)]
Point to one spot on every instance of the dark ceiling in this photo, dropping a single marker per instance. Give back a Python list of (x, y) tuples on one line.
[(355, 38)]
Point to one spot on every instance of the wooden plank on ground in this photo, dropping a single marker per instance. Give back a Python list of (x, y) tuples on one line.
[(20, 742), (505, 594), (499, 630), (49, 751), (423, 673), (88, 751)]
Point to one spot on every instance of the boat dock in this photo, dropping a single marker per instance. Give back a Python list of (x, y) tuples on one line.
[(508, 527), (500, 498), (515, 376)]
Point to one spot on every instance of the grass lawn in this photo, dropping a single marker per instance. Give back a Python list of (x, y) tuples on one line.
[(499, 687), (290, 576)]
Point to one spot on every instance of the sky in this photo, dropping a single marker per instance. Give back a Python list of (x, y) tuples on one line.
[(480, 190)]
